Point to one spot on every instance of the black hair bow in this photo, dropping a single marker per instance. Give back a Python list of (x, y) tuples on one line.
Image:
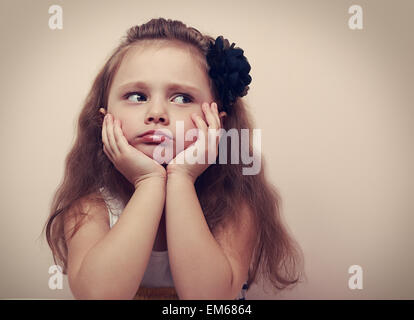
[(229, 70)]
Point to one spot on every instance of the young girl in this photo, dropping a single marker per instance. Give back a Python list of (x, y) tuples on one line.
[(123, 223)]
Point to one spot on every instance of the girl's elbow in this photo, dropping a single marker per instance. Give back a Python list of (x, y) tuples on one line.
[(89, 292)]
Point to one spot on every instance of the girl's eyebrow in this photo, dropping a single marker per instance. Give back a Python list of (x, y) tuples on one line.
[(170, 86)]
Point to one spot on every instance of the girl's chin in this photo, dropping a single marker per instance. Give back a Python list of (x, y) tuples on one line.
[(158, 155)]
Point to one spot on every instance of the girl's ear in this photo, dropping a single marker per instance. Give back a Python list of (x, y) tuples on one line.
[(102, 110)]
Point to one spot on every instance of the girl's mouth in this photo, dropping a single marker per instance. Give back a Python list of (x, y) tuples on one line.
[(153, 138)]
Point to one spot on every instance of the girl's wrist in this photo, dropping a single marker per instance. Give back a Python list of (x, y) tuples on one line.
[(152, 178), (180, 176)]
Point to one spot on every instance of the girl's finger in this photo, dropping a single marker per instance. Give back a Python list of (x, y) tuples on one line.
[(215, 112), (107, 153), (119, 137), (201, 125), (199, 122), (213, 141), (105, 139), (213, 131), (212, 121), (111, 137)]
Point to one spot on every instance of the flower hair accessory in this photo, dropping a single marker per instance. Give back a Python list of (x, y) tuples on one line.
[(229, 70)]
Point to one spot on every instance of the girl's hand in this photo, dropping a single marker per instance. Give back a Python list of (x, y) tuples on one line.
[(132, 163), (206, 146)]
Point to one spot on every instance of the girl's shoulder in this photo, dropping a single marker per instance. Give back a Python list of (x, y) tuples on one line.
[(87, 215), (91, 205)]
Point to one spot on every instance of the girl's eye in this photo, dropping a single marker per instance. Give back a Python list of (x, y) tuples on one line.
[(134, 94), (139, 97), (186, 99)]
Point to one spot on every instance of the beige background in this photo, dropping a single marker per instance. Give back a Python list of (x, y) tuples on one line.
[(335, 107)]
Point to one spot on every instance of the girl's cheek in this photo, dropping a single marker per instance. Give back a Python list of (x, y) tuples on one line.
[(127, 131), (180, 138)]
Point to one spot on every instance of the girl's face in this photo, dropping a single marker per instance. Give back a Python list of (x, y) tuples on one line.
[(154, 87)]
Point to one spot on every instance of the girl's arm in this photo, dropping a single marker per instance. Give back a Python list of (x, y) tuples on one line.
[(108, 263), (202, 266)]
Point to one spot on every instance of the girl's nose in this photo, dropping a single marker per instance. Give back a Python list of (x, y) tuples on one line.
[(157, 118), (157, 111), (157, 114)]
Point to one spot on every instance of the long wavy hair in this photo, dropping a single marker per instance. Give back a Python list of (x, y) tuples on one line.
[(221, 188)]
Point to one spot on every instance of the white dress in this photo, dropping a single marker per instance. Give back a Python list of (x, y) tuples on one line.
[(158, 272)]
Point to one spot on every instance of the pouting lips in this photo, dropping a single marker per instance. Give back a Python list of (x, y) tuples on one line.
[(153, 138)]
